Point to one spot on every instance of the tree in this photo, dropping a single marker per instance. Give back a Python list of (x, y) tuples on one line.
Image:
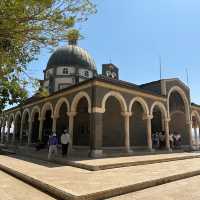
[(26, 26)]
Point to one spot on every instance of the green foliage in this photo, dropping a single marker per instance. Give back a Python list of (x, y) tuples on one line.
[(26, 26), (73, 35)]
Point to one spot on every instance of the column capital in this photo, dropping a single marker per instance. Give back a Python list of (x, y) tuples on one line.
[(126, 114), (71, 114), (167, 120), (41, 118), (147, 117), (30, 121), (189, 122), (98, 110), (55, 116)]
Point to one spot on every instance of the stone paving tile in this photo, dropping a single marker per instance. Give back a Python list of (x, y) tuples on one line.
[(186, 189), (14, 189)]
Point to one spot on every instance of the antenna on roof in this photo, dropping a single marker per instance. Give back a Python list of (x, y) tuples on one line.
[(160, 63), (110, 60), (187, 76)]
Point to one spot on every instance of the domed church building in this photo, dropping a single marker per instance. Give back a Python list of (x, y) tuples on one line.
[(101, 112)]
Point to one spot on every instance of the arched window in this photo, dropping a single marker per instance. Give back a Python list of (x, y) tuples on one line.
[(65, 70), (86, 73)]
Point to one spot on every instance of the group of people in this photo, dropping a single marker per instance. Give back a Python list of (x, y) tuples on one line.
[(52, 142), (175, 140), (159, 140)]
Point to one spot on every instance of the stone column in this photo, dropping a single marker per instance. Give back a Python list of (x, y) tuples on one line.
[(196, 137), (149, 133), (189, 127), (30, 131), (167, 134), (21, 132), (126, 116), (71, 116), (41, 128), (96, 136), (14, 133), (8, 132), (3, 132), (54, 118)]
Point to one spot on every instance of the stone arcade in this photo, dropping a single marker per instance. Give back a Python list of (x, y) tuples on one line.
[(101, 111)]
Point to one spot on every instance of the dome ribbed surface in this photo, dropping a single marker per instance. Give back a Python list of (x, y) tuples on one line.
[(71, 55)]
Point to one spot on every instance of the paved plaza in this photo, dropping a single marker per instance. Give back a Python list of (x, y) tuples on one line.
[(74, 182), (186, 189), (14, 189)]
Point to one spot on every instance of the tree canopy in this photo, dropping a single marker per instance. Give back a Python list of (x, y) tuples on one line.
[(26, 26)]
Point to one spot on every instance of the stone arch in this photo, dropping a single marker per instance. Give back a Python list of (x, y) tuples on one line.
[(11, 121), (184, 98), (158, 115), (62, 120), (11, 116), (59, 104), (36, 109), (195, 114), (138, 129), (35, 116), (162, 108), (81, 127), (179, 122), (118, 96), (142, 103), (113, 106), (17, 113), (25, 126), (24, 114), (45, 107), (77, 98), (17, 126), (195, 118), (47, 120)]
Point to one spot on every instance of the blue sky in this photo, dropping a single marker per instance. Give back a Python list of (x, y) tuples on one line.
[(134, 33)]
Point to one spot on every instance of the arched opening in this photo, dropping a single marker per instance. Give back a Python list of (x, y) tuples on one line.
[(17, 128), (138, 128), (81, 134), (178, 117), (25, 128), (62, 120), (35, 128), (113, 123), (158, 127), (195, 130), (10, 131), (47, 126), (1, 126)]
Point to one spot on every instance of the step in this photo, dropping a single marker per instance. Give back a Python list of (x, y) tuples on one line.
[(108, 191), (112, 163)]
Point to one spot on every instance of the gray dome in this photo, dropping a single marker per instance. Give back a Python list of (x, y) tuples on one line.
[(71, 55)]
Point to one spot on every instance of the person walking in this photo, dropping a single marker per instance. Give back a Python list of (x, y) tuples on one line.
[(53, 142), (65, 141)]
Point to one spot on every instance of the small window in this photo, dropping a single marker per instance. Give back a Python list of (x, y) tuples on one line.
[(65, 70), (47, 75), (86, 73), (109, 74)]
